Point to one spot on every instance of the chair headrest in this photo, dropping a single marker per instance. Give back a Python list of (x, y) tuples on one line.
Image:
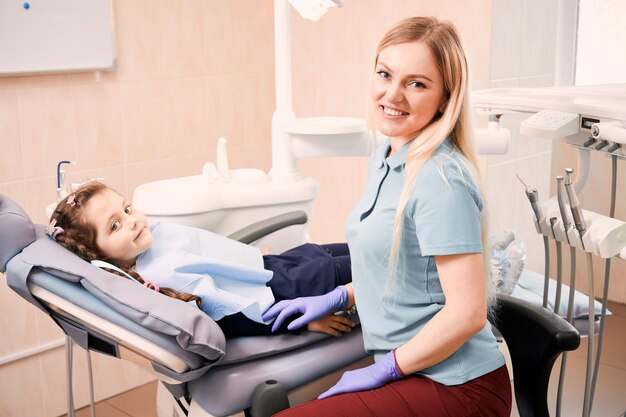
[(16, 230)]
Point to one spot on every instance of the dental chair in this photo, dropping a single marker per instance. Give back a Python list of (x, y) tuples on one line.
[(201, 373)]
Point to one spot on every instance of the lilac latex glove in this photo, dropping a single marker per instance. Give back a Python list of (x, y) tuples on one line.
[(370, 377), (311, 308)]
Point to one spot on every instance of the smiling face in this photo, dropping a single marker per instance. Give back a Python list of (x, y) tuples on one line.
[(122, 232), (407, 91)]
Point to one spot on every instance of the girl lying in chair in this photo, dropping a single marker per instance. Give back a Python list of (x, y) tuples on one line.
[(232, 282)]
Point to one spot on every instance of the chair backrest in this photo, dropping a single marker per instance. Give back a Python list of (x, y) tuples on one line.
[(535, 337), (16, 230)]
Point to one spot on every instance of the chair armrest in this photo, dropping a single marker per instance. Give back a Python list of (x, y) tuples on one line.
[(535, 337), (257, 230)]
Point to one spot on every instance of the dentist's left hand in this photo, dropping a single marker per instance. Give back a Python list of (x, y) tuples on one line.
[(370, 377), (311, 308)]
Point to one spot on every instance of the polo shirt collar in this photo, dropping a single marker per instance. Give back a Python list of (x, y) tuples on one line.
[(394, 161), (399, 158)]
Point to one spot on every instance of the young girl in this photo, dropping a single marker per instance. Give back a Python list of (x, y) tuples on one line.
[(230, 281)]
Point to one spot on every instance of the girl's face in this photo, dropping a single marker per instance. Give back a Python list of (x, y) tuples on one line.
[(407, 91), (122, 233)]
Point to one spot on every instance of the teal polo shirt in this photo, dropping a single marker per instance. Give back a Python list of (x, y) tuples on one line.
[(442, 217)]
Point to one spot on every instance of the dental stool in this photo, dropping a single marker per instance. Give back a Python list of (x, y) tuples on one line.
[(200, 373)]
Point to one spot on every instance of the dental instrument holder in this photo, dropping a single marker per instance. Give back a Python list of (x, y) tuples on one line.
[(604, 237), (608, 137)]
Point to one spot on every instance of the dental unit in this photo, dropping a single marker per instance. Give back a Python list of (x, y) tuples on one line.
[(589, 119)]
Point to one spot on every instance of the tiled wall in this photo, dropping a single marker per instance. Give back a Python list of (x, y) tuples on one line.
[(189, 72), (523, 38)]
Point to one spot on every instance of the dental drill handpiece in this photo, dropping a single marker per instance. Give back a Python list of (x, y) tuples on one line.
[(533, 196), (577, 212), (560, 190)]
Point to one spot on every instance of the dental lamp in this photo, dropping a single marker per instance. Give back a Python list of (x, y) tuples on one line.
[(314, 9)]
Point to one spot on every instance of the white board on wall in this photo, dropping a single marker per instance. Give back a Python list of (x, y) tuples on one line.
[(40, 36)]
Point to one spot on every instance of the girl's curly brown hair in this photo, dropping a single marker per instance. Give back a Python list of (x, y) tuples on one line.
[(79, 236)]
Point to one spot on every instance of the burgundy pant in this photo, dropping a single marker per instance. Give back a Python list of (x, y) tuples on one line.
[(418, 396)]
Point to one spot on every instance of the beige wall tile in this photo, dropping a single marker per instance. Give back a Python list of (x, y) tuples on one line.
[(47, 125), (257, 34), (338, 55), (7, 83), (145, 107), (95, 77), (225, 103), (15, 191), (43, 81), (470, 18), (138, 402), (183, 38), (187, 127), (40, 193), (53, 380), (113, 375), (11, 162), (20, 395), (257, 109), (258, 156), (306, 42), (337, 96), (221, 22), (17, 318), (98, 120), (139, 34), (110, 376), (306, 94)]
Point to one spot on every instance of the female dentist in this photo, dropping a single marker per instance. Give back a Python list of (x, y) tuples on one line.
[(417, 243)]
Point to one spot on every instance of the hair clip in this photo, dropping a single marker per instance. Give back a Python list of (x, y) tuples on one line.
[(151, 285), (52, 230), (70, 200)]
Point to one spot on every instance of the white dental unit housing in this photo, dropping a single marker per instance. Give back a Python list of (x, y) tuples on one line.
[(589, 119), (572, 114)]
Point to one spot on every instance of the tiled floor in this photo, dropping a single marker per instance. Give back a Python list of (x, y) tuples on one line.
[(610, 398)]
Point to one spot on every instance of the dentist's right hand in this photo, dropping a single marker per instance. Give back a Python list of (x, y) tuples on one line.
[(311, 308)]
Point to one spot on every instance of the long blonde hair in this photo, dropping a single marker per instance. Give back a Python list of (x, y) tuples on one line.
[(454, 123)]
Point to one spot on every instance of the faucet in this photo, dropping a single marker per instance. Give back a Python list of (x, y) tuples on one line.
[(61, 186)]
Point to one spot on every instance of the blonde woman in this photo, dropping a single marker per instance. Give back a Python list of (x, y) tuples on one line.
[(416, 240)]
